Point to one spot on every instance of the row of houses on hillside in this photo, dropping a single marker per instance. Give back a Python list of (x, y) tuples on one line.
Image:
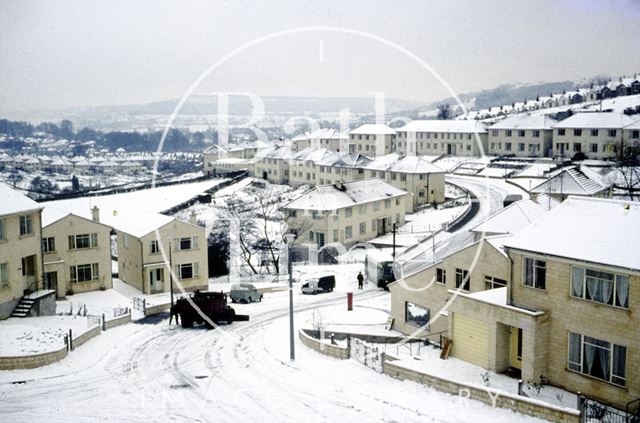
[(423, 180), (543, 289), (52, 246)]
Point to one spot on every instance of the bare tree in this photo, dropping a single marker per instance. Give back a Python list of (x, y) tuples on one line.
[(444, 111), (627, 172)]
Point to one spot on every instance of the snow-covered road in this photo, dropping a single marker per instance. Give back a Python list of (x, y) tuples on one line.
[(152, 371)]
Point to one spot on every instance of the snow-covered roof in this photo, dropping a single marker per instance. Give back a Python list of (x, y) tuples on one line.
[(517, 216), (108, 163), (373, 129), (458, 126), (593, 230), (634, 125), (11, 201), (345, 160), (395, 162), (277, 153), (526, 122), (595, 120), (331, 197), (573, 181), (327, 133), (312, 154)]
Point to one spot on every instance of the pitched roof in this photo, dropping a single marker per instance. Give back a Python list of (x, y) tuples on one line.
[(517, 216), (465, 126), (327, 133), (373, 129), (330, 197), (595, 120), (526, 122), (572, 181), (394, 162), (12, 201), (594, 230)]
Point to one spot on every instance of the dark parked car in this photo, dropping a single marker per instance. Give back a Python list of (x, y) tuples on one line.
[(320, 285)]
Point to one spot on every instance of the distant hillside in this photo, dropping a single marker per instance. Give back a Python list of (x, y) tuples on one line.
[(509, 93)]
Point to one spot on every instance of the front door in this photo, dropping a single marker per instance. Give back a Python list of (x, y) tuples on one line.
[(516, 348), (156, 277), (29, 272), (51, 280), (320, 239)]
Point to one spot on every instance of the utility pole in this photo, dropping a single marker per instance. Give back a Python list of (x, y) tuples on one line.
[(292, 348), (393, 254), (170, 273)]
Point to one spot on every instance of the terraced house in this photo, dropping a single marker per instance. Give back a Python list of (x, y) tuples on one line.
[(20, 255), (437, 137), (522, 136), (569, 314)]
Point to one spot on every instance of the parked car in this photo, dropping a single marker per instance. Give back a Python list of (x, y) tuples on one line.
[(319, 285), (244, 293)]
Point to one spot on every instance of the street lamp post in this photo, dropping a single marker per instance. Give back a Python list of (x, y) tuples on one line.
[(292, 349)]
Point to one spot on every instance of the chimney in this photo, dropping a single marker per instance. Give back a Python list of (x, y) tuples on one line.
[(193, 219), (95, 214)]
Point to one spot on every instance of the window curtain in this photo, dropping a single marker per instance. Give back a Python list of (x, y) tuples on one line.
[(528, 269), (589, 357), (622, 290), (607, 291), (619, 363), (603, 356), (577, 282), (575, 342), (594, 289)]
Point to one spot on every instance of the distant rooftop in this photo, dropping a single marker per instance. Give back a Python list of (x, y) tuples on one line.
[(595, 120), (373, 129), (581, 181), (458, 126), (526, 122)]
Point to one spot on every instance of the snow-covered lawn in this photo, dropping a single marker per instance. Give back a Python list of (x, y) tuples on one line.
[(34, 335)]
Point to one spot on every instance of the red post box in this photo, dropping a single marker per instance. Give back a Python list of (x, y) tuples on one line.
[(349, 301)]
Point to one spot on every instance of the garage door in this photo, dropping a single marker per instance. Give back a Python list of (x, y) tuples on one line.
[(470, 340)]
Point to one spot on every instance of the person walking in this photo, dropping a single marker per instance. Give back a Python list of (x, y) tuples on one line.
[(360, 280)]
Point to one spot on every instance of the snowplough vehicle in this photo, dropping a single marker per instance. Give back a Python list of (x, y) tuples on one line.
[(213, 305)]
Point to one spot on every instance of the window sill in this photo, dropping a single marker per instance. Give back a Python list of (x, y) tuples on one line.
[(534, 288), (597, 379), (596, 303)]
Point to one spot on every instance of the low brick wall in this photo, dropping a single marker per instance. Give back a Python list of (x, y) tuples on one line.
[(108, 324), (91, 333), (488, 396), (156, 309), (32, 361), (334, 351), (374, 339)]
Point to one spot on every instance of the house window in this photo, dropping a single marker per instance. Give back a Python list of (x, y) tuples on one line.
[(387, 204), (597, 358), (611, 132), (508, 132), (534, 273), (536, 133), (187, 271), (84, 272), (363, 228), (521, 133), (577, 132), (2, 232), (48, 244), (561, 132), (78, 242), (600, 287), (362, 209), (155, 246), (4, 275), (403, 177), (462, 279), (494, 132), (26, 225), (594, 132), (335, 235), (125, 240), (376, 206), (594, 147), (441, 276), (348, 232), (292, 213), (635, 134), (507, 146), (521, 146), (348, 212), (416, 315), (577, 147), (490, 282)]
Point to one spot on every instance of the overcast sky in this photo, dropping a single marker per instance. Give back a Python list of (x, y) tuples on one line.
[(61, 54)]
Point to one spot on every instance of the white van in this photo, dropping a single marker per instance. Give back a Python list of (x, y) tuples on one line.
[(244, 293)]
